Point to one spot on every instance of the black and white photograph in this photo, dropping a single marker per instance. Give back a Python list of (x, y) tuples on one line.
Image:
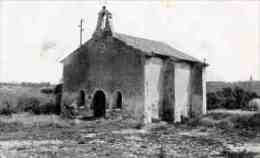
[(129, 78)]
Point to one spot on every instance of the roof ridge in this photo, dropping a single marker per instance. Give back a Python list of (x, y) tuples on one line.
[(157, 47)]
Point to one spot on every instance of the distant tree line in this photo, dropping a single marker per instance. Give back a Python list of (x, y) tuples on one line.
[(26, 84), (230, 98)]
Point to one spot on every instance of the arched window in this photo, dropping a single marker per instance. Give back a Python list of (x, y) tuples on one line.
[(81, 98), (118, 100)]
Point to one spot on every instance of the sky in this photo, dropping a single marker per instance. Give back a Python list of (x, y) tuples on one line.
[(35, 35)]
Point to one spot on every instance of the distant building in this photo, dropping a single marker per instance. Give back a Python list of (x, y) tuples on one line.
[(149, 79)]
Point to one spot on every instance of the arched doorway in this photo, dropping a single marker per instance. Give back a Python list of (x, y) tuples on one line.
[(99, 104), (118, 100)]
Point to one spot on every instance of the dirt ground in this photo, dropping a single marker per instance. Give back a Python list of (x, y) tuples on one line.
[(26, 136)]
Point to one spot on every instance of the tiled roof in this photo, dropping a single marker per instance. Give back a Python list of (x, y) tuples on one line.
[(156, 47)]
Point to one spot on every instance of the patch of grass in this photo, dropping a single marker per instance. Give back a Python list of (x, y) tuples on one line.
[(162, 153), (218, 115), (238, 154), (249, 122), (27, 104), (241, 121), (6, 110), (139, 125), (30, 120), (10, 126), (47, 108)]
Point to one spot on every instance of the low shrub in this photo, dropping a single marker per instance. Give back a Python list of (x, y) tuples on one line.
[(31, 104), (238, 154), (10, 126), (139, 125), (253, 105), (252, 122), (229, 98), (47, 90), (27, 104), (46, 108), (6, 109), (27, 97)]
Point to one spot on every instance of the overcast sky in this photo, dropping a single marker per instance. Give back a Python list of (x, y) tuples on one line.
[(35, 35)]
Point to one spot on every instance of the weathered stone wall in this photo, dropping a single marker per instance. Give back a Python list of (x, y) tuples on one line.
[(167, 101), (190, 90), (153, 81), (159, 89), (182, 90), (106, 64), (198, 98), (204, 89)]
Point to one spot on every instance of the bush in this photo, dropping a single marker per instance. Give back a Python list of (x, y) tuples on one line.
[(27, 104), (247, 122), (27, 97), (6, 109), (238, 154), (47, 90), (47, 108), (229, 98), (34, 105), (254, 105)]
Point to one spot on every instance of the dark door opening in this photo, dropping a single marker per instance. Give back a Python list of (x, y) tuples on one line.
[(81, 98), (99, 104), (58, 97), (118, 100)]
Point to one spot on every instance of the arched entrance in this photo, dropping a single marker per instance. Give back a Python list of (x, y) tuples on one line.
[(118, 100), (99, 104)]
